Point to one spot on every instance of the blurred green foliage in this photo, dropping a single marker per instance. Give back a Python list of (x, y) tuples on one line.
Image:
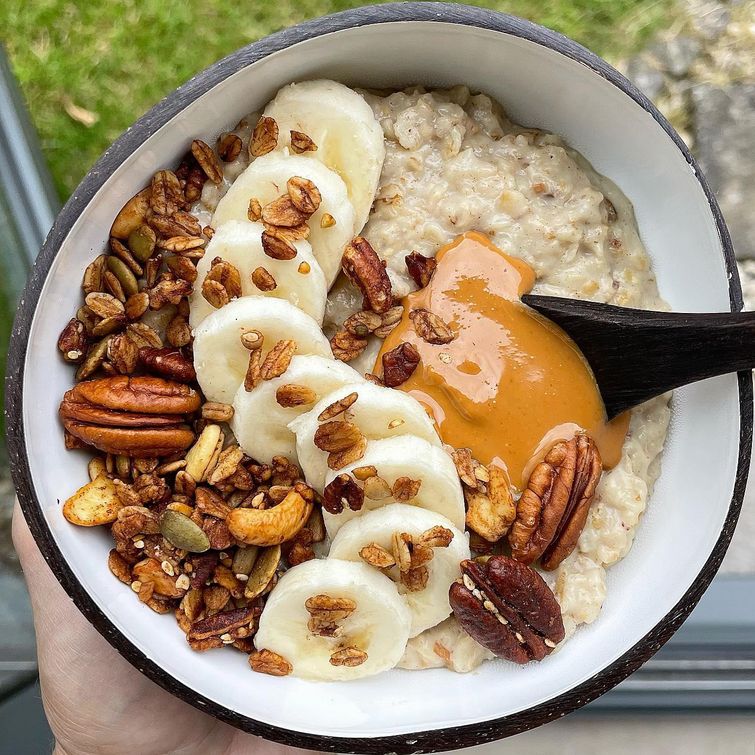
[(89, 68)]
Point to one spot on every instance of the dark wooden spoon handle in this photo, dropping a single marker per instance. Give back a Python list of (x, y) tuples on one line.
[(637, 354)]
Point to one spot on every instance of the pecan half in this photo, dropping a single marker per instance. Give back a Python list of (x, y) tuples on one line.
[(167, 196), (73, 341), (277, 359), (553, 509), (399, 364), (224, 622), (507, 607), (283, 212), (326, 614), (421, 268), (366, 270), (138, 416), (229, 147), (304, 194), (276, 247)]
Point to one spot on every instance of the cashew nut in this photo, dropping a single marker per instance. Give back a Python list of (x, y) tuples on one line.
[(270, 526)]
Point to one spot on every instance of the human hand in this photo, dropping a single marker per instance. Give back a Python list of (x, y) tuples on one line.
[(95, 701)]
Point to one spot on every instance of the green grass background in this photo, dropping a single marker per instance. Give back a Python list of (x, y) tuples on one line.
[(116, 58)]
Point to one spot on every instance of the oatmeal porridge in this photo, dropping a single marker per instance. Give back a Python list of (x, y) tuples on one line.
[(325, 430)]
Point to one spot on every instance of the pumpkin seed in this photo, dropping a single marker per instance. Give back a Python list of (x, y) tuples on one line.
[(263, 572), (182, 533), (141, 242), (125, 277), (243, 559)]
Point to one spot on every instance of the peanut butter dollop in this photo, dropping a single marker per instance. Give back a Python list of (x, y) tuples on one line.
[(511, 383)]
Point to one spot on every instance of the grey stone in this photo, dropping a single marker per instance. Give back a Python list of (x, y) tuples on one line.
[(724, 121), (677, 54), (646, 77), (709, 19)]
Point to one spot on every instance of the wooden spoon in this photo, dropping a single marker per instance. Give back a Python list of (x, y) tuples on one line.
[(637, 354)]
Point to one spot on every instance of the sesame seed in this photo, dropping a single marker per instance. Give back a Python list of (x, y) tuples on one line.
[(488, 606), (501, 619), (183, 582), (444, 357), (226, 638), (519, 637), (468, 583), (242, 577), (550, 643), (136, 585), (394, 423), (139, 544)]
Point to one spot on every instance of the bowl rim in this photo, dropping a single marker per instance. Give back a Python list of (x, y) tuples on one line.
[(424, 741)]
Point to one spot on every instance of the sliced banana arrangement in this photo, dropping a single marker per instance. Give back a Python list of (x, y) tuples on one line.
[(377, 478), (335, 620), (281, 400), (344, 133), (331, 226), (222, 360), (406, 469), (377, 412), (419, 549), (300, 280)]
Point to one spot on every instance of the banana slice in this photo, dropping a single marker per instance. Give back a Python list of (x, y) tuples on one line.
[(429, 605), (412, 457), (240, 243), (370, 631), (349, 138), (378, 412), (265, 179), (221, 360), (271, 437)]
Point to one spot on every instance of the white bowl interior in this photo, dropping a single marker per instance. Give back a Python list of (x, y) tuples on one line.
[(538, 87)]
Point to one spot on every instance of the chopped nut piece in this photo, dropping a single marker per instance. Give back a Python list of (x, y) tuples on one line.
[(300, 143), (291, 394), (415, 579), (363, 323), (337, 407), (390, 320), (304, 268), (208, 160), (264, 137), (277, 247), (254, 369), (340, 459), (349, 656), (92, 281), (304, 195), (228, 462), (465, 466), (402, 554), (376, 488), (327, 613), (267, 662), (377, 556), (277, 359), (104, 305), (123, 353), (346, 347), (217, 412), (178, 332), (366, 270), (229, 147), (263, 279), (342, 491), (137, 305), (430, 327), (327, 220), (166, 196), (254, 213), (364, 473), (420, 268), (437, 537), (399, 364), (337, 435), (252, 339), (283, 212), (73, 341), (404, 489)]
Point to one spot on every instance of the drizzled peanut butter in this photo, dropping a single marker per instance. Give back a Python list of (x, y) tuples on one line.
[(511, 383)]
